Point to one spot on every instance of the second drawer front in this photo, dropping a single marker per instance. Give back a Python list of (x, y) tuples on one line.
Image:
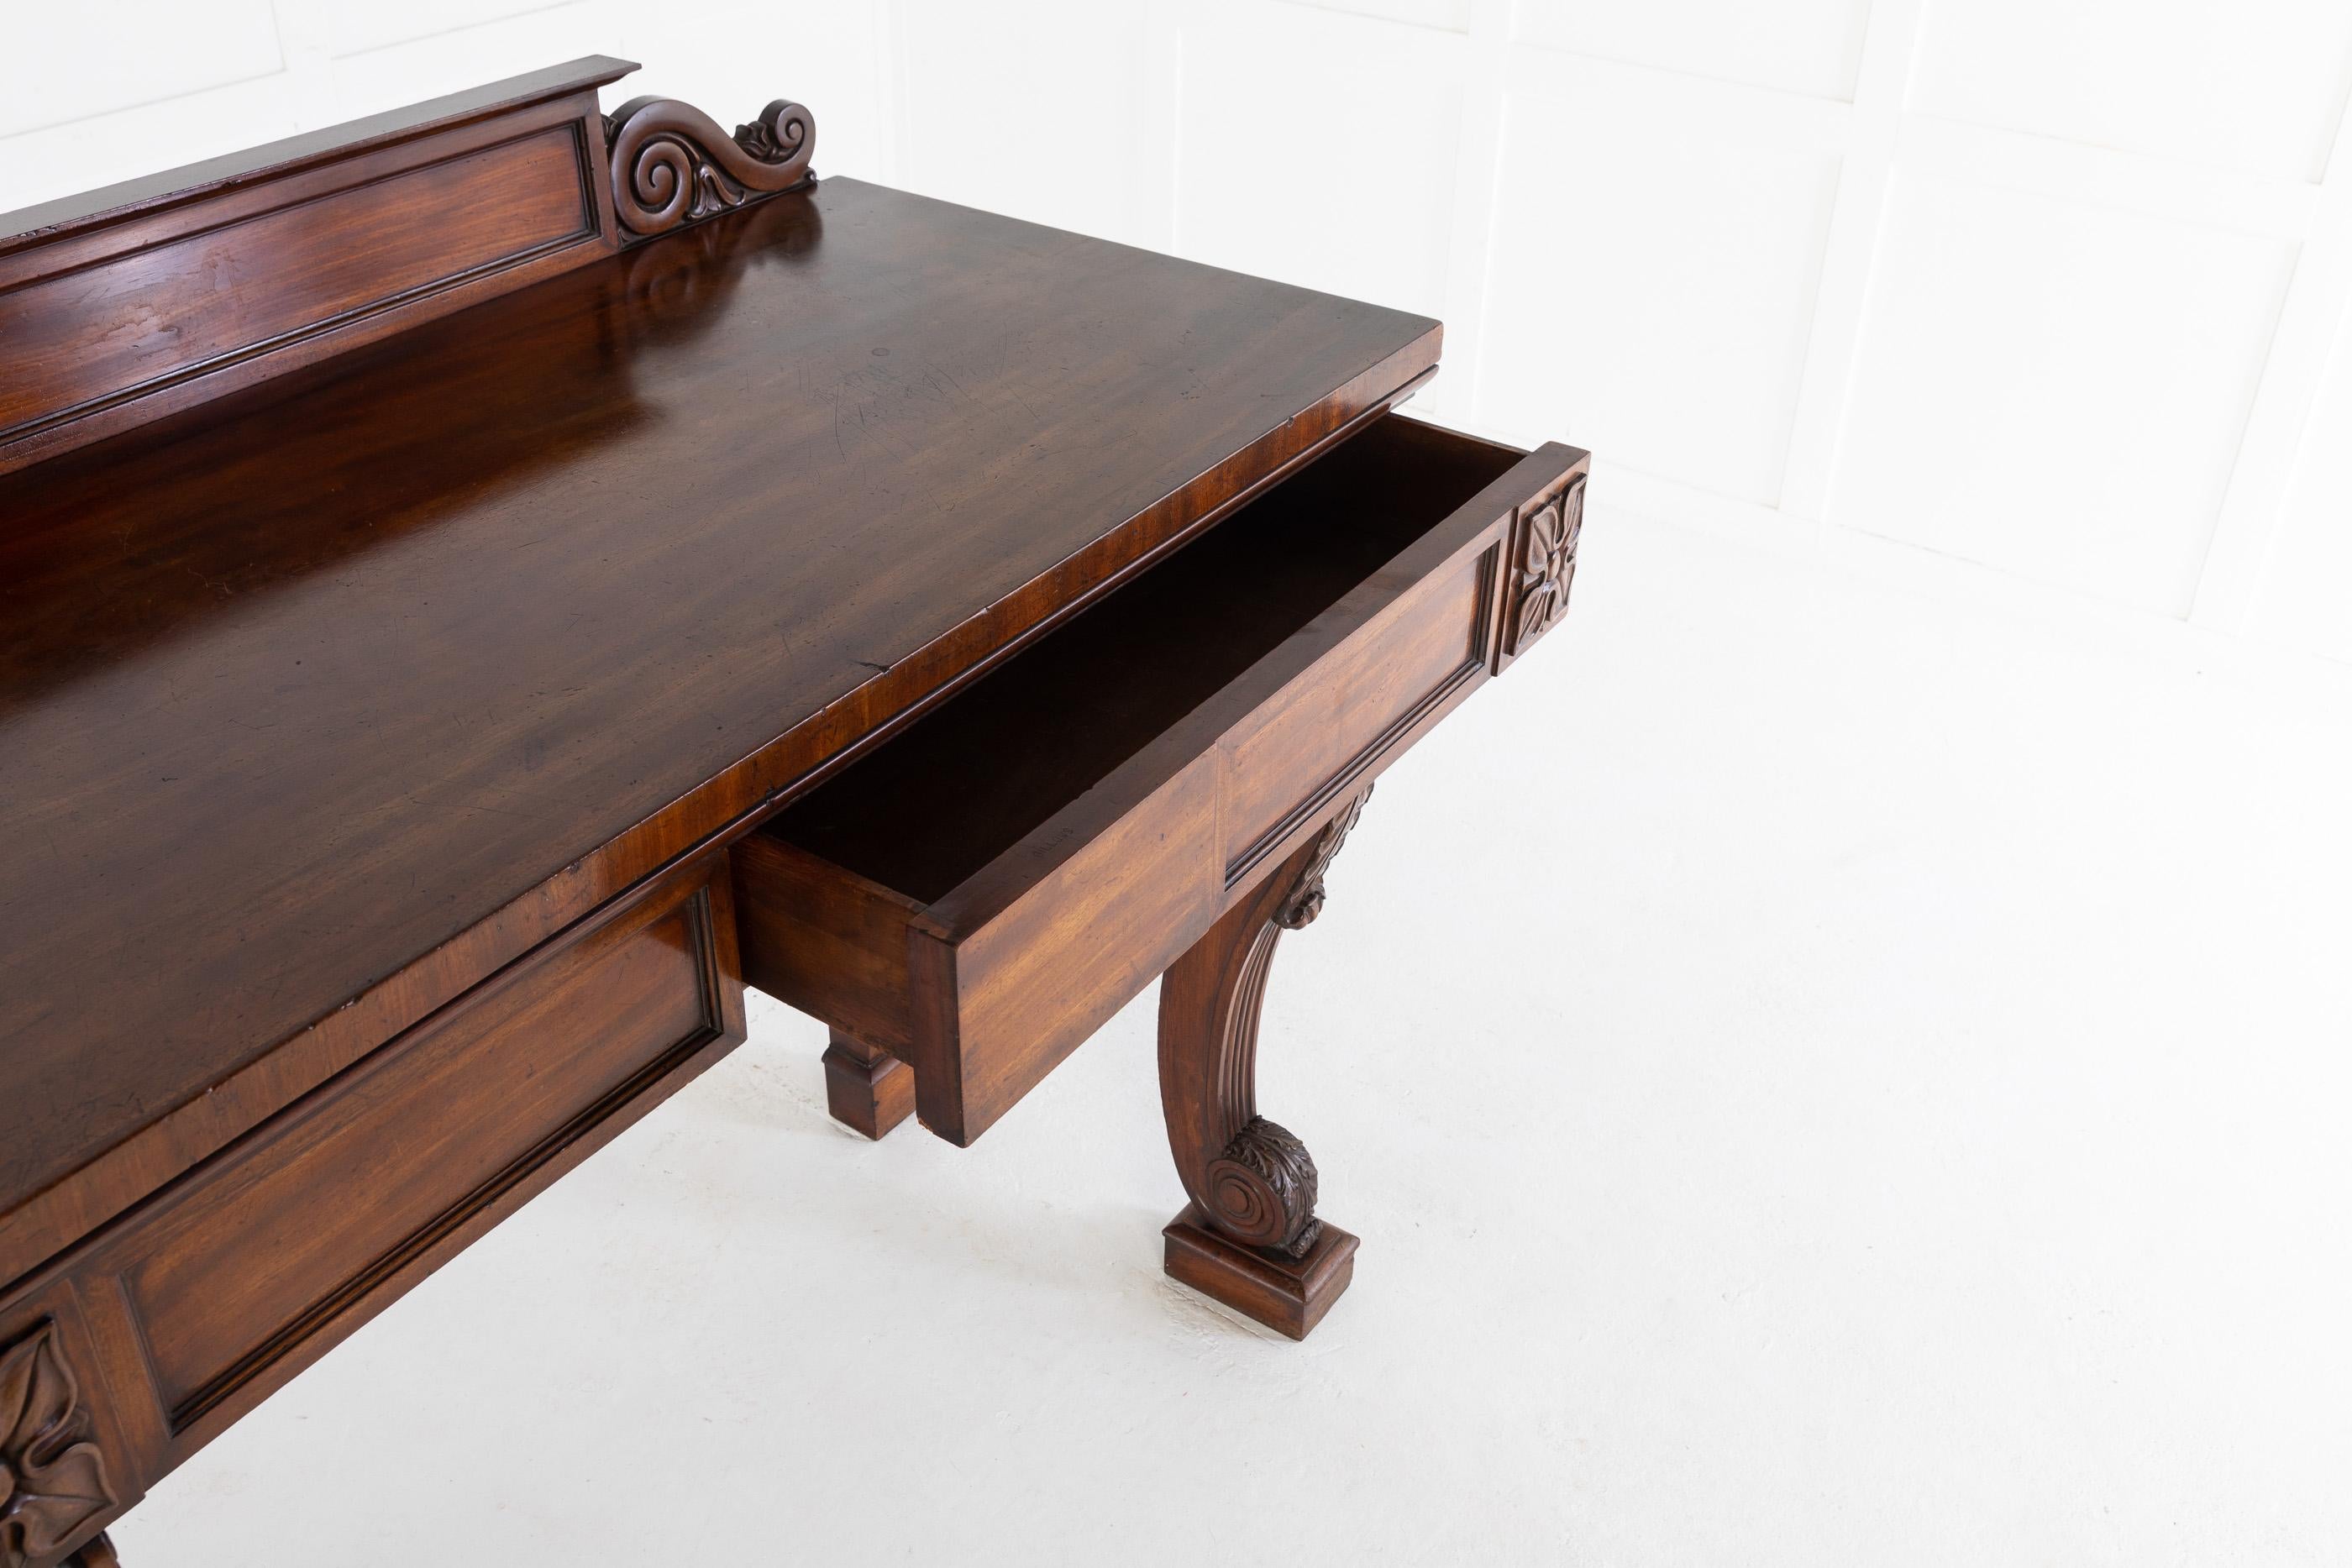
[(289, 1238)]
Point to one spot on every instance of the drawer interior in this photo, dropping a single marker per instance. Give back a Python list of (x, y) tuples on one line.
[(935, 804)]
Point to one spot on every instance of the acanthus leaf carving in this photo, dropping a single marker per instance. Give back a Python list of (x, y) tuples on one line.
[(52, 1480), (1305, 900), (673, 165), (1261, 1190)]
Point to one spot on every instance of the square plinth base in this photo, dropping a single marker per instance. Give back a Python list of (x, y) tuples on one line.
[(1289, 1296), (872, 1098)]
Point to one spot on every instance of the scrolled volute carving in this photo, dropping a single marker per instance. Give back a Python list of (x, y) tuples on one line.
[(673, 165), (1260, 1190), (53, 1478)]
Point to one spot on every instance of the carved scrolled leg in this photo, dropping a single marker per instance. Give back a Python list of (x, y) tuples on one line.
[(865, 1087), (1250, 1237), (95, 1554)]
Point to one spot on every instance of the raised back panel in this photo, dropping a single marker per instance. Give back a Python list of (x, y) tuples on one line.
[(127, 303)]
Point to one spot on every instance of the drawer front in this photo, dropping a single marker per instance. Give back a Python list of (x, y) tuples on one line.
[(1275, 757), (1290, 760), (260, 1261)]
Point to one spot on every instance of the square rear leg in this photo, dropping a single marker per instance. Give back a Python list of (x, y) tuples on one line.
[(865, 1087)]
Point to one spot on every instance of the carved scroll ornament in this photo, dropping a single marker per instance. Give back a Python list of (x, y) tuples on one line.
[(52, 1477), (672, 164)]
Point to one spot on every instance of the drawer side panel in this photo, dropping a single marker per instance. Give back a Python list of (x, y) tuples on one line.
[(1049, 970), (829, 943)]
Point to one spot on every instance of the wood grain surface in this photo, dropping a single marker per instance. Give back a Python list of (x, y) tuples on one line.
[(320, 702)]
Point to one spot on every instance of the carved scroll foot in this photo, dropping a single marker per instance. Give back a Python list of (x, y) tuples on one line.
[(865, 1087), (95, 1554), (1250, 1237)]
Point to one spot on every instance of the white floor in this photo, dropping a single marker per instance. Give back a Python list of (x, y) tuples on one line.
[(1822, 1076)]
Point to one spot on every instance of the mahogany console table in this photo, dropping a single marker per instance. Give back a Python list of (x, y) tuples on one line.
[(478, 584)]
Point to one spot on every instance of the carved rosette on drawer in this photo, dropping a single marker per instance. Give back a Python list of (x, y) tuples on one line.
[(1542, 567), (53, 1478)]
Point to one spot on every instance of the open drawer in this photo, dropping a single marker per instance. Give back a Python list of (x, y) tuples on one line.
[(981, 892)]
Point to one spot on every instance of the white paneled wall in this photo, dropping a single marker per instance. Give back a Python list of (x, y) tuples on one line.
[(2303, 594), (1360, 200), (1678, 346), (2049, 290), (2069, 379)]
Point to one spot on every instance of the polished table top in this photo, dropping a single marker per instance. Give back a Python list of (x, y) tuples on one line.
[(298, 686)]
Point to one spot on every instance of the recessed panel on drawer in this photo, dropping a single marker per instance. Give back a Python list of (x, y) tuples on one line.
[(418, 1139), (1290, 757)]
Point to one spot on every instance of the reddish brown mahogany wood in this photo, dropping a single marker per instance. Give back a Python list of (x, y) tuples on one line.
[(179, 1317), (1542, 569), (1290, 1295), (239, 1263), (1250, 1236), (197, 183), (865, 1087), (321, 701), (981, 892), (69, 1445), (813, 929), (673, 165), (53, 1480), (121, 306), (388, 701)]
